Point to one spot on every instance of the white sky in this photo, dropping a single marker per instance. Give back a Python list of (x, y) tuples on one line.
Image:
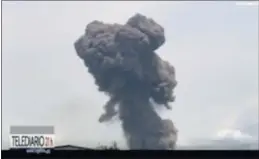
[(213, 46)]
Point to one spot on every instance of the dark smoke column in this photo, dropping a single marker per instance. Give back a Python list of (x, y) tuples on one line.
[(122, 60)]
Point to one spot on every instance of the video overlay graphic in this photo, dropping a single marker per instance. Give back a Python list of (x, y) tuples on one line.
[(32, 138)]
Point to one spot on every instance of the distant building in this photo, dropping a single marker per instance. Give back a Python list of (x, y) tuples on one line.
[(70, 147)]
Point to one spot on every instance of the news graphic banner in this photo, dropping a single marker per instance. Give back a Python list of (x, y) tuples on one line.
[(40, 137)]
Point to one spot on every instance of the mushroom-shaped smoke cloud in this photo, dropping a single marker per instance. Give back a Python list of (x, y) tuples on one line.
[(124, 64)]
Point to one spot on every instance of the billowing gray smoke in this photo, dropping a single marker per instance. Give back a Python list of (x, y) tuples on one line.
[(123, 62)]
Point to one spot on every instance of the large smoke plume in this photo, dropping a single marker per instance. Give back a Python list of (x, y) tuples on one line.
[(122, 60)]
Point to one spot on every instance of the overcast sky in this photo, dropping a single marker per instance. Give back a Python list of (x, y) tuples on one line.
[(213, 46)]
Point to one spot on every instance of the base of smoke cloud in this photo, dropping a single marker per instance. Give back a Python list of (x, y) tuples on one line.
[(140, 131)]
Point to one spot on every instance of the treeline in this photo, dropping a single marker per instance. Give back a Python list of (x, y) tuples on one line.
[(113, 146)]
